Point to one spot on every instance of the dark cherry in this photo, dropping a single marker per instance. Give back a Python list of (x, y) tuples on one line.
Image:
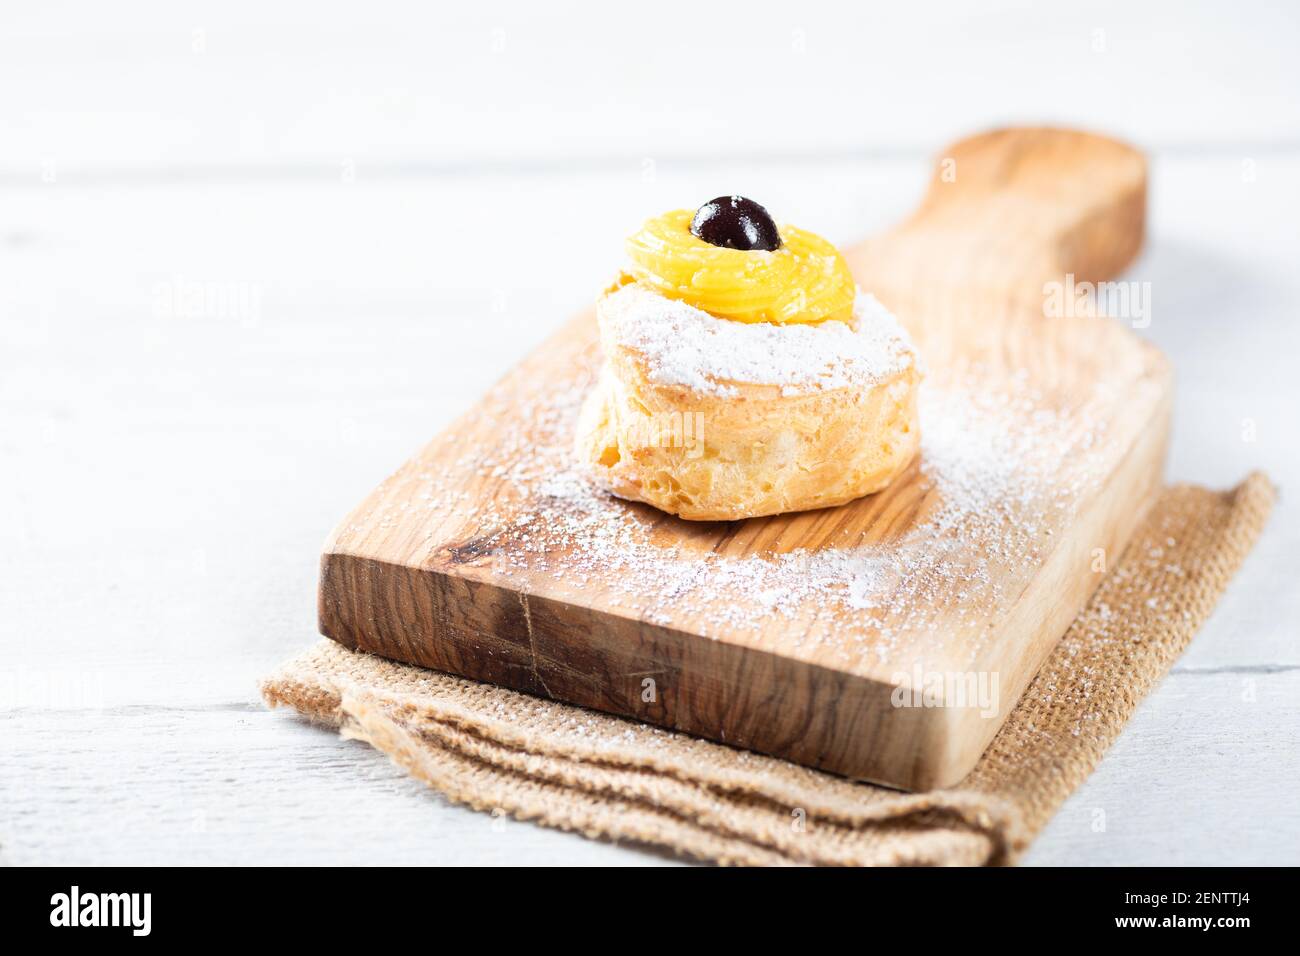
[(735, 222)]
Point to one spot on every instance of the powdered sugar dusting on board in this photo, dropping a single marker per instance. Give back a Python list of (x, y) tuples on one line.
[(682, 345), (999, 468)]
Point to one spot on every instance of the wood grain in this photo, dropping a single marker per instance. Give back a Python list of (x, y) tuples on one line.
[(966, 275)]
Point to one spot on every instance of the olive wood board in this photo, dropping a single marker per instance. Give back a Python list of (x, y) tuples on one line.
[(482, 557)]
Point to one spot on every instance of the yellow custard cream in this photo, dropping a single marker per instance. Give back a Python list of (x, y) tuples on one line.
[(804, 280)]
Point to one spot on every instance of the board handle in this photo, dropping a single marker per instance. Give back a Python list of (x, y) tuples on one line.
[(1010, 210)]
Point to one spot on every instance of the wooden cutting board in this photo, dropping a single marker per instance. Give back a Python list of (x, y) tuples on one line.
[(887, 639)]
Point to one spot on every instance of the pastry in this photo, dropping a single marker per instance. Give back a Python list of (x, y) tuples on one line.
[(745, 374)]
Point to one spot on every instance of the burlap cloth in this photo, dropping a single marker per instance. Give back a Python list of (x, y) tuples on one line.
[(502, 751)]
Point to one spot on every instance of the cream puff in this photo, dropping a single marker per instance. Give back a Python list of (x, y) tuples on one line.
[(745, 374)]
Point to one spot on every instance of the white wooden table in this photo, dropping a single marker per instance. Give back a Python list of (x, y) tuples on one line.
[(247, 265)]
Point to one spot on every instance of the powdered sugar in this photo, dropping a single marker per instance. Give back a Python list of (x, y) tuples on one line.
[(1001, 468), (682, 345)]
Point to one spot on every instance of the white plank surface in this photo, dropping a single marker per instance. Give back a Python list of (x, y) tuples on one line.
[(170, 468), (168, 83)]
